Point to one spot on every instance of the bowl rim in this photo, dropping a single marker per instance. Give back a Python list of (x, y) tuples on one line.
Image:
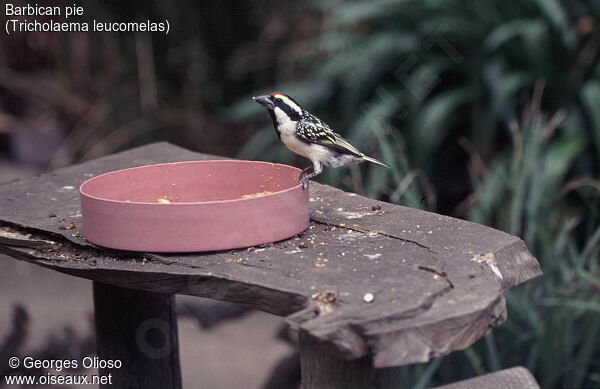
[(83, 193)]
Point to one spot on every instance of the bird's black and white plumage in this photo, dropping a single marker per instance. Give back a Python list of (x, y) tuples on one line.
[(307, 135)]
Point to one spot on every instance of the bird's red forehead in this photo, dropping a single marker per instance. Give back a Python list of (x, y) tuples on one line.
[(277, 94)]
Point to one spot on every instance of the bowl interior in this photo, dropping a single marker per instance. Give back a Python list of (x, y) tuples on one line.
[(192, 182)]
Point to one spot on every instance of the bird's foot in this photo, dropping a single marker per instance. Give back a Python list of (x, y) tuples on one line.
[(304, 179)]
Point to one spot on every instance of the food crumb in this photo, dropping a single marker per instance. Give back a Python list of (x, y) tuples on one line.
[(163, 200), (247, 196)]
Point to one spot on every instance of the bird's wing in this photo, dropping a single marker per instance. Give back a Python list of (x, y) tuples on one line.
[(313, 130)]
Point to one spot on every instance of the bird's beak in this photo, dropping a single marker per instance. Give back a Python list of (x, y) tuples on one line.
[(265, 101)]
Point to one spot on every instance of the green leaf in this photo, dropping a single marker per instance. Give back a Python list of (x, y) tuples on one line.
[(425, 377), (573, 303), (434, 119), (590, 95), (505, 33), (555, 12), (361, 11), (560, 156)]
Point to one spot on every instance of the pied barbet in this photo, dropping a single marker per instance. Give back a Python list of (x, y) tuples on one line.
[(307, 135)]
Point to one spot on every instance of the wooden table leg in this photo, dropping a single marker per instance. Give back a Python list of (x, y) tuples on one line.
[(323, 371), (139, 329)]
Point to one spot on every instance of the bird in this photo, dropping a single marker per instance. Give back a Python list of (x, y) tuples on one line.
[(307, 135)]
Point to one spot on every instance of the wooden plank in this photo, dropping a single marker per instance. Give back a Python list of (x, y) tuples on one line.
[(320, 370), (436, 282), (139, 330), (515, 377)]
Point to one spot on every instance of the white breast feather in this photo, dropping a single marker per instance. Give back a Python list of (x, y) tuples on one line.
[(286, 125)]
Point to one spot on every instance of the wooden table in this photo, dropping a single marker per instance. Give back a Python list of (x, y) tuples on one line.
[(370, 285)]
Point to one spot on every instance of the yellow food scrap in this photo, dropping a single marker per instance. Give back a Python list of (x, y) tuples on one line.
[(247, 196), (162, 200)]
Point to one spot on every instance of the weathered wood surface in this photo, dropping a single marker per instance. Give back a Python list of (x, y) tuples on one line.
[(139, 329), (436, 281), (320, 370), (515, 377)]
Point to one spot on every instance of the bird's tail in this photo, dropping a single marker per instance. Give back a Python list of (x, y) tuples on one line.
[(373, 160)]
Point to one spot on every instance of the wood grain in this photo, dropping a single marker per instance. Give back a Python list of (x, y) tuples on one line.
[(320, 370), (138, 329)]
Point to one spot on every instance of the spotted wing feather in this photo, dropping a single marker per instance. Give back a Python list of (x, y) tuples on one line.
[(313, 130)]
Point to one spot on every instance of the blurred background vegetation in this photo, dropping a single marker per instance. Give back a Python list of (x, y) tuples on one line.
[(485, 110)]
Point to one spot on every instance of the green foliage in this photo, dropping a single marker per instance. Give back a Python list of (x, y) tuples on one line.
[(551, 319), (112, 91), (439, 88)]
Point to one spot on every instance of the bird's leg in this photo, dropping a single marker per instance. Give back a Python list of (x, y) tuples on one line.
[(305, 176)]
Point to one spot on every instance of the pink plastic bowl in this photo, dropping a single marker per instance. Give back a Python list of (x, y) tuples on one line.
[(194, 206)]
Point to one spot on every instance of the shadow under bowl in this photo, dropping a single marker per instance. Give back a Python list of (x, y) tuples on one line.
[(194, 206)]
